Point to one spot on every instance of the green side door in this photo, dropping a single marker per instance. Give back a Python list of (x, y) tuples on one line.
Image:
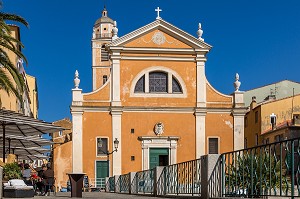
[(101, 173), (158, 157)]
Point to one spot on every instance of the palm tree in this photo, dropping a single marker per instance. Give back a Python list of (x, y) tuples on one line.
[(9, 43)]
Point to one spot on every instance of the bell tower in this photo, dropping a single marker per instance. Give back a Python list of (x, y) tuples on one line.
[(104, 31)]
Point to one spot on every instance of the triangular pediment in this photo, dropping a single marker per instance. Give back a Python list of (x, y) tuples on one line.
[(160, 34)]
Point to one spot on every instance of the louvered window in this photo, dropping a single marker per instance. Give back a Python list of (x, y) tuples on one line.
[(104, 54), (213, 146)]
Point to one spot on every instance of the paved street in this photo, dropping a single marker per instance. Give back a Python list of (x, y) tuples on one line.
[(98, 195)]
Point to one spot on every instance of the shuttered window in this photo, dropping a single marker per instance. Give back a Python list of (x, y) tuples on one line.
[(213, 145)]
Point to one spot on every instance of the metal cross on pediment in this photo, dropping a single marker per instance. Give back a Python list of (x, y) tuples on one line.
[(158, 10)]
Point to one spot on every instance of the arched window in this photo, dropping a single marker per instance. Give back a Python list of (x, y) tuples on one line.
[(158, 82), (176, 88), (140, 85)]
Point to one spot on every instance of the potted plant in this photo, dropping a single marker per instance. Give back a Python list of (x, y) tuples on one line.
[(11, 171)]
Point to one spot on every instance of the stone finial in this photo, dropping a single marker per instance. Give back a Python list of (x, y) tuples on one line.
[(200, 32), (237, 83), (115, 31), (76, 79)]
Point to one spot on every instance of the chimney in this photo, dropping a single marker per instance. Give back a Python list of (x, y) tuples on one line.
[(253, 103)]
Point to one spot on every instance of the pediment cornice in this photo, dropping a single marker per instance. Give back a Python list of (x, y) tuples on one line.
[(165, 27)]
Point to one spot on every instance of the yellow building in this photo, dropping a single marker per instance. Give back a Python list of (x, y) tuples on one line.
[(151, 94), (29, 105), (272, 120), (62, 152)]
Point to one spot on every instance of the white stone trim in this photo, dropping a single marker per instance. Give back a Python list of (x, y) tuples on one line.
[(146, 72), (116, 133), (158, 58), (148, 142), (77, 145), (200, 134), (201, 84), (224, 95), (116, 100)]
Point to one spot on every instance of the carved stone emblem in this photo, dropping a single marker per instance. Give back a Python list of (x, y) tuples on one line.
[(159, 128), (158, 38)]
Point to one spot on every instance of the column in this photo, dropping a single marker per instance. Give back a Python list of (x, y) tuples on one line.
[(200, 133), (116, 133)]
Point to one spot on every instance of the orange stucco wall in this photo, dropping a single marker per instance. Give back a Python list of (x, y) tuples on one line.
[(175, 124), (222, 129), (94, 124), (129, 70)]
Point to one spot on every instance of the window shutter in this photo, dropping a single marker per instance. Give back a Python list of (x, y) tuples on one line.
[(213, 145)]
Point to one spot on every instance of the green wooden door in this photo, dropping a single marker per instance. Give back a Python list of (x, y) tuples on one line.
[(101, 173), (158, 157)]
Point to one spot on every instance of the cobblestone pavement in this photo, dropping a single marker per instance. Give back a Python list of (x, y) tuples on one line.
[(91, 195)]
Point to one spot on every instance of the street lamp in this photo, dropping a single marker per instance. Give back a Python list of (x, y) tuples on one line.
[(116, 145)]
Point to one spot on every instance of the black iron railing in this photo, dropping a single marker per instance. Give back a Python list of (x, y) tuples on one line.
[(180, 179), (267, 170)]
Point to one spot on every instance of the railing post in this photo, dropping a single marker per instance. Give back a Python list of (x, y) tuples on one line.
[(107, 184), (208, 164), (157, 172), (1, 177), (117, 187), (131, 178)]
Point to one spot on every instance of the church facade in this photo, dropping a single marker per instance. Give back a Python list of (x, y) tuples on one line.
[(150, 93)]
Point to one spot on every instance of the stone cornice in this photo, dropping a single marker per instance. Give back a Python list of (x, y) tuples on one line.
[(192, 110), (239, 111), (141, 138), (167, 27), (185, 51)]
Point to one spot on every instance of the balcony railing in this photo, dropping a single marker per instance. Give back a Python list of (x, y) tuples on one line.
[(103, 36)]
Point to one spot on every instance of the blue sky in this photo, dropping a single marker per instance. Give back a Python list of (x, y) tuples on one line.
[(259, 39)]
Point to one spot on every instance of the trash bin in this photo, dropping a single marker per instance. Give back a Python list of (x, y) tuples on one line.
[(76, 180)]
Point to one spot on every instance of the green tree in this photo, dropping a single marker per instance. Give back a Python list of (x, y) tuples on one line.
[(9, 43)]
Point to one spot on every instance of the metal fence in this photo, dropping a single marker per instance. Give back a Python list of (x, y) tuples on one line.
[(143, 182), (180, 179), (267, 170), (110, 184), (123, 183)]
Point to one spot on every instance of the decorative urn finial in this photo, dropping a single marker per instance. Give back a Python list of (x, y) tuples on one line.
[(76, 80), (237, 83), (115, 31), (200, 32)]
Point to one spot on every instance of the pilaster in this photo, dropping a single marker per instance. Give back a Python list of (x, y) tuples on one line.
[(200, 133), (238, 133), (116, 114), (116, 101), (201, 81), (77, 142)]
